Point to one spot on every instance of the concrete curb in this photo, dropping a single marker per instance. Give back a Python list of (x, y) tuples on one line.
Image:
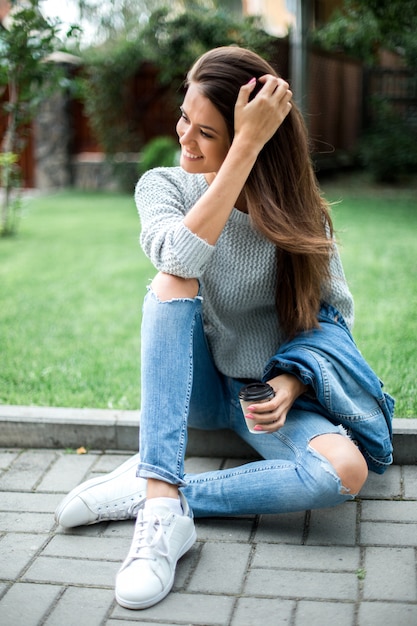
[(102, 429)]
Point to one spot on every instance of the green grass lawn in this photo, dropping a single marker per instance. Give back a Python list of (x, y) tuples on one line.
[(72, 284), (73, 280)]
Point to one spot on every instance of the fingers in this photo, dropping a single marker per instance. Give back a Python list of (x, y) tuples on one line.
[(271, 86), (245, 92), (275, 86), (271, 427), (268, 108), (261, 107), (268, 416)]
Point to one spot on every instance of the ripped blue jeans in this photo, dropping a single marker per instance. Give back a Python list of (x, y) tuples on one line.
[(182, 388)]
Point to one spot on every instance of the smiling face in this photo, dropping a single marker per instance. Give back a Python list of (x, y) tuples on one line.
[(202, 133)]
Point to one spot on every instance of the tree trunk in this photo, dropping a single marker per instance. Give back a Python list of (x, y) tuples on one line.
[(8, 149)]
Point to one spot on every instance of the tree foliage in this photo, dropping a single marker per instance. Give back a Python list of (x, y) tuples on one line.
[(175, 41), (109, 19), (397, 22), (27, 78), (361, 27)]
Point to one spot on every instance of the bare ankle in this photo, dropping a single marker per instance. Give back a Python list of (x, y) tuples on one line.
[(161, 489)]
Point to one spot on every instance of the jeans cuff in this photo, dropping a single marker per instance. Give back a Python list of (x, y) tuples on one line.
[(151, 471)]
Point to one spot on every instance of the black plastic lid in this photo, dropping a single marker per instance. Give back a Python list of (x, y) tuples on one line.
[(256, 392)]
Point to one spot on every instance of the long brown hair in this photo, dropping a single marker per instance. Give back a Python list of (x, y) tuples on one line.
[(282, 194)]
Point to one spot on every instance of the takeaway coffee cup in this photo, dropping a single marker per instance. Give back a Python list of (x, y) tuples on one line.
[(254, 393)]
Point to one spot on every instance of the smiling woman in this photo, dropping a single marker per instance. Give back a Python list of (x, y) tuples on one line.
[(249, 287)]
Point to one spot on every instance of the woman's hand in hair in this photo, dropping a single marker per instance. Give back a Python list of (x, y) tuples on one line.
[(257, 120), (270, 416)]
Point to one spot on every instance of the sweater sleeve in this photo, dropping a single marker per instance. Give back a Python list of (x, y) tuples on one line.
[(336, 291), (163, 197)]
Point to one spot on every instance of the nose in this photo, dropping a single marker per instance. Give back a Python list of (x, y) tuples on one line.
[(184, 132), (185, 136)]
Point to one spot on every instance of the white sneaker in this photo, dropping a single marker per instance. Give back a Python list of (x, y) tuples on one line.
[(115, 496), (160, 539)]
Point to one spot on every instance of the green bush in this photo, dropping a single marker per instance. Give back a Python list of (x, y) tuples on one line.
[(159, 152), (389, 149), (105, 87)]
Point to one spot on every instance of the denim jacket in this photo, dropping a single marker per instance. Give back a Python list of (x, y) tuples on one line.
[(346, 390)]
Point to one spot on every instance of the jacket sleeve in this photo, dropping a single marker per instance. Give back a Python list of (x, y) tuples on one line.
[(345, 388), (162, 200)]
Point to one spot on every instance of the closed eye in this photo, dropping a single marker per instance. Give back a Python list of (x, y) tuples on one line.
[(202, 132), (206, 135)]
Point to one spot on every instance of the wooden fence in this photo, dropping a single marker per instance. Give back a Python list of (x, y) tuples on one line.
[(335, 105), (397, 86), (147, 107)]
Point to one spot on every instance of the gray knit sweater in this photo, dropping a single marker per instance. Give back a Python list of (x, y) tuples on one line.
[(237, 275)]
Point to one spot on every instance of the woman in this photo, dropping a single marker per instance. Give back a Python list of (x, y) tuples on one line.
[(249, 280)]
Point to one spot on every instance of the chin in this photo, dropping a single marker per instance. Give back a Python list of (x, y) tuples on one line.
[(192, 168)]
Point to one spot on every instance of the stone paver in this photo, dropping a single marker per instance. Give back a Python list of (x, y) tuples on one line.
[(355, 565)]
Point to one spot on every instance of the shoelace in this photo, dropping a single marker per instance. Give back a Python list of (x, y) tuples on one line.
[(148, 538), (115, 514)]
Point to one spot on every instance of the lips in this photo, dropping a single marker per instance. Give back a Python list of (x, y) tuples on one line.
[(189, 155)]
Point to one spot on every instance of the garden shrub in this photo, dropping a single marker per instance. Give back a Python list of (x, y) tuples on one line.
[(389, 148), (159, 152)]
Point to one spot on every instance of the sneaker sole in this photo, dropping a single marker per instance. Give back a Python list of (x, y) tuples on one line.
[(146, 604), (92, 482)]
